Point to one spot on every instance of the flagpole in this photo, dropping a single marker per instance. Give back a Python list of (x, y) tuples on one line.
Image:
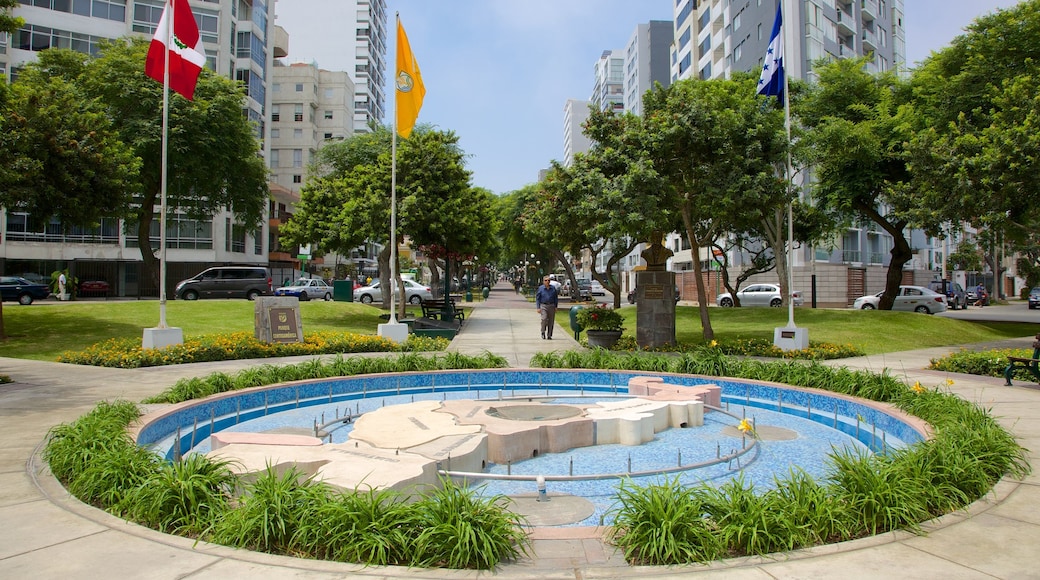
[(163, 168), (790, 201), (393, 202)]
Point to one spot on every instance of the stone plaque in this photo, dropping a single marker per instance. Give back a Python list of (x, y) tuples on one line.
[(653, 292), (277, 319), (283, 325)]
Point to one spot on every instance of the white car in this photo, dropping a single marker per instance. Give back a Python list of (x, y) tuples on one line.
[(596, 289), (910, 299), (414, 292), (306, 288), (758, 295)]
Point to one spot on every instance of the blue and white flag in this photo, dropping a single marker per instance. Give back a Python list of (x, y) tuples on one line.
[(772, 80)]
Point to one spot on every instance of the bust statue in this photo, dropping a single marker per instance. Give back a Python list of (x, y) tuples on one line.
[(656, 255)]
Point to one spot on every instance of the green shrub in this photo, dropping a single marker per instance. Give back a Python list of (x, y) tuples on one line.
[(987, 363), (186, 497), (745, 347), (270, 512), (127, 352), (460, 529), (663, 524)]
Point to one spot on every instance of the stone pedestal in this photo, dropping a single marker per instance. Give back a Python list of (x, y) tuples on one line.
[(161, 337), (655, 309), (791, 338), (277, 319)]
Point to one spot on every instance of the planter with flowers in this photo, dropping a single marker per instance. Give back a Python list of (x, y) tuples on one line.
[(602, 325)]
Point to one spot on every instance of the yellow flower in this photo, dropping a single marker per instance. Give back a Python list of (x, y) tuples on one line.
[(744, 426), (918, 388), (949, 382), (713, 343)]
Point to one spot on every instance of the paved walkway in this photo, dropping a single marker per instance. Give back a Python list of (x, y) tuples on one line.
[(45, 534)]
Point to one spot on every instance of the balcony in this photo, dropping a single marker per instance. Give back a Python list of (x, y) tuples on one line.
[(870, 42), (846, 24), (877, 257), (853, 256), (869, 10)]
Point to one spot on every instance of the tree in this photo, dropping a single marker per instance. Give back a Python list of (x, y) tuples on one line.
[(213, 157), (436, 204), (60, 156), (605, 202), (718, 151), (976, 155), (9, 23), (859, 127)]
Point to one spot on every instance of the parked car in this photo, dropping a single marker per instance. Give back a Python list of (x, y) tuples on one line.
[(22, 290), (226, 282), (414, 292), (758, 295), (596, 289), (910, 299), (956, 297), (632, 295), (306, 288), (93, 288), (1034, 298), (584, 291)]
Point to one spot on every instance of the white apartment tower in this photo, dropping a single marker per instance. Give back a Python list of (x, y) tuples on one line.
[(646, 62), (713, 39), (240, 42), (369, 74), (575, 113)]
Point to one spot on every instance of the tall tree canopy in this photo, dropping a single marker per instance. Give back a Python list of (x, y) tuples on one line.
[(977, 157), (859, 127), (213, 158), (437, 206), (716, 150)]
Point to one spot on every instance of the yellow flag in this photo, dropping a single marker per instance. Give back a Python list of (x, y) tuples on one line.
[(410, 89)]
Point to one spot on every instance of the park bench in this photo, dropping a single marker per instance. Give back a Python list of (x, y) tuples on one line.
[(1029, 364), (442, 310)]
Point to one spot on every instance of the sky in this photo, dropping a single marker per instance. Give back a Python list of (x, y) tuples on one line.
[(498, 72)]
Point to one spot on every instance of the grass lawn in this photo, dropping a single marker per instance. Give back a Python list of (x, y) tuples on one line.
[(43, 331), (872, 331)]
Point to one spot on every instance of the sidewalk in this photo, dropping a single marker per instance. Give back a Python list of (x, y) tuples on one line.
[(45, 534)]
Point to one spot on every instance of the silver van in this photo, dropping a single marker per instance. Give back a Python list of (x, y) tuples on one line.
[(226, 282)]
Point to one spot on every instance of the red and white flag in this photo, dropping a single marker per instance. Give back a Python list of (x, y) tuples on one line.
[(186, 53)]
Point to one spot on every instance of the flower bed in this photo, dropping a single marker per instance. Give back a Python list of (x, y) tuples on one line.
[(987, 363), (127, 353)]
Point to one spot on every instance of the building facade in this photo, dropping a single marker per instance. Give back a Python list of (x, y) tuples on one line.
[(240, 42), (575, 113), (369, 74), (715, 39)]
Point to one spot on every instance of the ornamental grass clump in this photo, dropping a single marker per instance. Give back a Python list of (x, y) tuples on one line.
[(600, 318)]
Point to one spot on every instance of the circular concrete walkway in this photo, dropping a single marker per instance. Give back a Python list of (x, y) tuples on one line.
[(46, 534)]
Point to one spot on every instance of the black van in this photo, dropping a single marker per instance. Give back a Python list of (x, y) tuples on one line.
[(955, 295), (226, 282)]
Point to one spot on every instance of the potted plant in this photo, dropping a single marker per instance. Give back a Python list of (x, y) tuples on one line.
[(602, 325)]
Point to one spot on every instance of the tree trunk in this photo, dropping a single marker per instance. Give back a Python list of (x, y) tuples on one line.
[(776, 237), (144, 243), (901, 254), (385, 275), (702, 294)]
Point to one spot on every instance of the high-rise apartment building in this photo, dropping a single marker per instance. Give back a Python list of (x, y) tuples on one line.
[(369, 74), (646, 61), (240, 42), (714, 39), (575, 113), (608, 92)]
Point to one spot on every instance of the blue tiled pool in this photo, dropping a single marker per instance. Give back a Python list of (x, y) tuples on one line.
[(821, 422)]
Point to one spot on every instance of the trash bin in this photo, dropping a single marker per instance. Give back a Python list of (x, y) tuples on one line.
[(574, 321), (485, 292), (343, 290)]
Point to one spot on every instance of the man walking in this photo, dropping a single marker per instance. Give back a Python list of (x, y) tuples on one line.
[(545, 301)]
